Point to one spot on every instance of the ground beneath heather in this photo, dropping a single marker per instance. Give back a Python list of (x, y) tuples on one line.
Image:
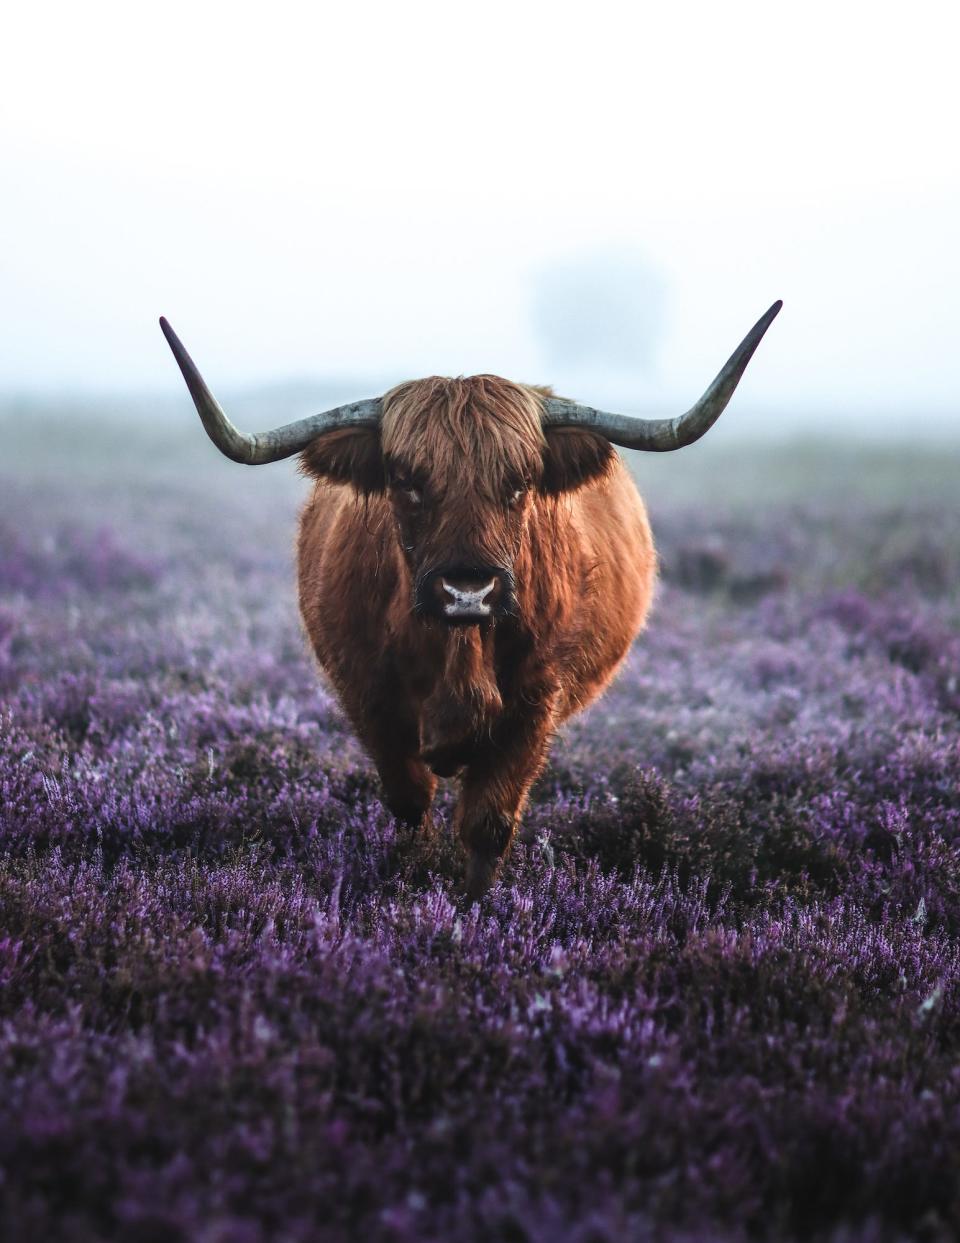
[(715, 996)]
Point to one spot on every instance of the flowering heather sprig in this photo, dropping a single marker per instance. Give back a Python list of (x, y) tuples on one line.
[(715, 996)]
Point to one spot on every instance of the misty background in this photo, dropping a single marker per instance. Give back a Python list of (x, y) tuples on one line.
[(327, 200)]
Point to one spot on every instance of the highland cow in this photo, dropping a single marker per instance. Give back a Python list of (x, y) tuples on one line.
[(474, 564)]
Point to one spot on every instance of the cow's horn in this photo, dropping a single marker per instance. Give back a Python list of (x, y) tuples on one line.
[(258, 448), (661, 435)]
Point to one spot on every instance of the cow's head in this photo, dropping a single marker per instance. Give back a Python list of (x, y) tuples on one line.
[(464, 462)]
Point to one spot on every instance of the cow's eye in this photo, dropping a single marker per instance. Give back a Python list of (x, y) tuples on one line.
[(413, 495), (514, 498)]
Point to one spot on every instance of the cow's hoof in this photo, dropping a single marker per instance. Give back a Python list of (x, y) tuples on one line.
[(412, 822), (481, 873)]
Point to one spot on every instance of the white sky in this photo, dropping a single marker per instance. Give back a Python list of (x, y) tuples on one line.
[(390, 190)]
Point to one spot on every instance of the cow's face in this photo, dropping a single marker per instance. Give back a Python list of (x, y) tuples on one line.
[(465, 465), (460, 537)]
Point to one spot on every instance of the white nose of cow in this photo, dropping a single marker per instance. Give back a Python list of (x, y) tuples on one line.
[(466, 603)]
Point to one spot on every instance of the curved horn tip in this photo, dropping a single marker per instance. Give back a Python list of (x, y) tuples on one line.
[(168, 331)]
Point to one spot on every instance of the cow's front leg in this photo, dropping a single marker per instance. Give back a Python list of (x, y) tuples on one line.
[(408, 787), (495, 786), (392, 740)]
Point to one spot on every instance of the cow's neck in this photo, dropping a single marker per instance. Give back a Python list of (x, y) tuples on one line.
[(464, 698)]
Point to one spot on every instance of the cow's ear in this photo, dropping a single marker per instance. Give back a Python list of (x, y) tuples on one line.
[(573, 456), (347, 455)]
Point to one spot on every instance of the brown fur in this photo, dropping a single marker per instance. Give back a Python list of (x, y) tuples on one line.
[(481, 700)]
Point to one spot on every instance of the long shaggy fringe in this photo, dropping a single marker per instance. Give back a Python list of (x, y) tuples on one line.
[(490, 423)]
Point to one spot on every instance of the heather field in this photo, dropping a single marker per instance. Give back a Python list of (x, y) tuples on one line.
[(715, 996)]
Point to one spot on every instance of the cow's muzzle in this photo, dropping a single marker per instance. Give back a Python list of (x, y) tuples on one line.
[(463, 595)]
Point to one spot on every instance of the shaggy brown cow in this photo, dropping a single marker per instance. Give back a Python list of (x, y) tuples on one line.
[(474, 564)]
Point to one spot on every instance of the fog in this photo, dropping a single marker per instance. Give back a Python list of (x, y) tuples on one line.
[(326, 203)]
